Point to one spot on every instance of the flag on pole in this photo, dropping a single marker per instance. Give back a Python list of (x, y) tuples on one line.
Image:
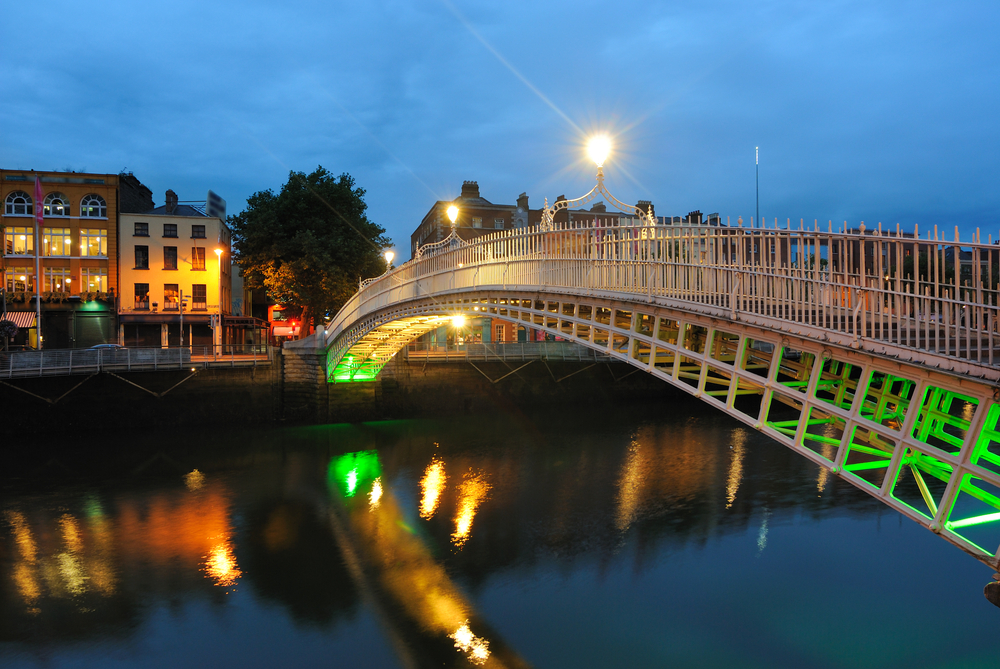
[(38, 200)]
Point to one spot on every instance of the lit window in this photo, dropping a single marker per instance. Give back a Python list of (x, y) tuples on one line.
[(170, 301), (19, 241), (169, 257), (93, 242), (94, 279), (142, 296), (20, 279), (93, 206), (56, 204), (57, 279), (57, 242), (18, 203), (197, 258)]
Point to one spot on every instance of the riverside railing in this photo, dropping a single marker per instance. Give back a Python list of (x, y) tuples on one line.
[(63, 362), (930, 300)]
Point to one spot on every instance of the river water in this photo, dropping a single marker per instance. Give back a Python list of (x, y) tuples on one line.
[(663, 535)]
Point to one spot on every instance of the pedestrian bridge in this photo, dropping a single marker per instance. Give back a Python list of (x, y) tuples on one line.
[(876, 354)]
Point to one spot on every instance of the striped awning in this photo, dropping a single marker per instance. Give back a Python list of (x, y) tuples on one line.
[(22, 319)]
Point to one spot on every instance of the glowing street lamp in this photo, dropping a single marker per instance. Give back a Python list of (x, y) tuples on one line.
[(389, 255), (598, 148), (218, 342), (452, 214)]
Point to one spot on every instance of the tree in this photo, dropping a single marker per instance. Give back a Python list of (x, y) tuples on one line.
[(310, 244), (8, 329)]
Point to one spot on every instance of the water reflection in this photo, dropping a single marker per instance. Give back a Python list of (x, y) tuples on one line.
[(471, 493), (431, 487), (738, 445)]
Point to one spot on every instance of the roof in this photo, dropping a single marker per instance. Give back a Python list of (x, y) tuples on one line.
[(179, 210)]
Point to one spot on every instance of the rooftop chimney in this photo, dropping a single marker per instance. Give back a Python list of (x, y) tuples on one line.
[(171, 201), (522, 201), (646, 205), (470, 189)]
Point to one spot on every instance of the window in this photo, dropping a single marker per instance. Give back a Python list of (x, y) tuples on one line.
[(170, 297), (18, 203), (498, 334), (56, 204), (142, 257), (56, 242), (197, 258), (199, 299), (142, 296), (94, 279), (169, 257), (93, 206), (197, 232), (498, 223), (57, 279), (141, 230), (93, 242), (20, 279), (169, 229), (19, 241), (477, 222)]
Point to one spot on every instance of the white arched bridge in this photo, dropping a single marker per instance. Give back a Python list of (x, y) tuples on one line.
[(876, 354)]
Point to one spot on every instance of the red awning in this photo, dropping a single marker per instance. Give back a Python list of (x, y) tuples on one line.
[(22, 319)]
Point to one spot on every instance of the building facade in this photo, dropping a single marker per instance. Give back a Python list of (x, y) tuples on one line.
[(78, 280), (176, 276)]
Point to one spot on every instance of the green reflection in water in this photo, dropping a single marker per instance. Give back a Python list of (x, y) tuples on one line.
[(352, 471)]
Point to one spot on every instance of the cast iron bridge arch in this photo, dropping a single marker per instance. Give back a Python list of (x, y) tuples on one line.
[(874, 355)]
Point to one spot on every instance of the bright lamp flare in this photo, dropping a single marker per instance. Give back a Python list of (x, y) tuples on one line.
[(458, 321), (389, 255), (599, 148), (452, 213), (218, 252)]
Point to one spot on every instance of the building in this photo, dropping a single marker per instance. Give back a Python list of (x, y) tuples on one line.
[(176, 276), (79, 282)]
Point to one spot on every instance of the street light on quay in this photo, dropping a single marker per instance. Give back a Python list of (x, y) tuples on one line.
[(389, 255), (452, 214), (218, 323)]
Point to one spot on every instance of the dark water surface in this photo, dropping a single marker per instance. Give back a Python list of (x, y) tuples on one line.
[(640, 536)]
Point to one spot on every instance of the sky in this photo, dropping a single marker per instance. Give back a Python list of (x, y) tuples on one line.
[(863, 111)]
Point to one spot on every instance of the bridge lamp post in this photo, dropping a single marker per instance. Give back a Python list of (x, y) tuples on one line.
[(452, 215), (389, 255), (218, 325)]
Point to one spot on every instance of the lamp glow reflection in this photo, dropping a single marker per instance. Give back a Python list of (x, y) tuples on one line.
[(471, 494), (598, 149), (431, 487)]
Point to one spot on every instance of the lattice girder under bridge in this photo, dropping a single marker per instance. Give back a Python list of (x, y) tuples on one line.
[(910, 419)]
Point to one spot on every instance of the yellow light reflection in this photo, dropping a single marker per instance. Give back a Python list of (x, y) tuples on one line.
[(194, 480), (476, 647), (630, 487), (22, 535), (376, 494), (70, 533), (431, 487), (736, 465), (827, 452), (220, 564), (471, 493)]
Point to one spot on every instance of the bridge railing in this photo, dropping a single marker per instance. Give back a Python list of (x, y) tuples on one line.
[(64, 362), (929, 295)]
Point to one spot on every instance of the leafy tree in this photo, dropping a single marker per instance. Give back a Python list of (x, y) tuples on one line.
[(310, 244), (8, 329)]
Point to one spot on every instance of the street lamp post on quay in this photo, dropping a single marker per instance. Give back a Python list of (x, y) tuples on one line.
[(218, 322)]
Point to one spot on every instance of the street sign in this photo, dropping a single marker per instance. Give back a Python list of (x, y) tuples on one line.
[(215, 206)]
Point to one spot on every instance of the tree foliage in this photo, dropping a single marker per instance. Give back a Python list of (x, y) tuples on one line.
[(310, 244)]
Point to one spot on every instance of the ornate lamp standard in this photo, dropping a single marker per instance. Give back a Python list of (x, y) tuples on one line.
[(218, 323), (599, 147)]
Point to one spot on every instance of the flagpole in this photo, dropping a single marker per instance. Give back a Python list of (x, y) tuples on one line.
[(38, 263)]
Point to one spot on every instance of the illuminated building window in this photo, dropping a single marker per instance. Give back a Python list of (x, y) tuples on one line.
[(169, 229), (19, 241), (142, 257), (142, 296), (93, 242), (198, 258), (94, 279), (199, 296), (169, 257), (93, 206), (170, 297), (197, 232), (20, 279), (56, 204), (57, 279), (57, 242), (18, 203), (141, 230)]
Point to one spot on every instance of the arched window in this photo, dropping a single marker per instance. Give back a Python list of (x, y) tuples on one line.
[(19, 203), (93, 206), (56, 204)]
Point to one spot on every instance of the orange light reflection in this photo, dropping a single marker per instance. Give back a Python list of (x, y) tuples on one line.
[(431, 487)]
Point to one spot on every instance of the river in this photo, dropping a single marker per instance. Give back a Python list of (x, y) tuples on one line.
[(658, 535)]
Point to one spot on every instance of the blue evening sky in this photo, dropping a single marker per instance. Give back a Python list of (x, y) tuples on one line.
[(874, 111)]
